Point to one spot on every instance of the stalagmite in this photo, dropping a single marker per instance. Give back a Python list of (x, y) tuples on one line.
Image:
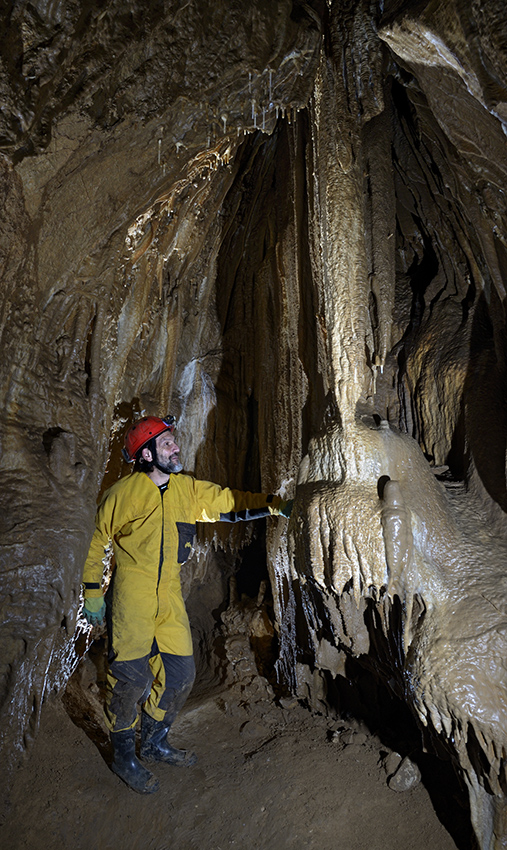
[(397, 530)]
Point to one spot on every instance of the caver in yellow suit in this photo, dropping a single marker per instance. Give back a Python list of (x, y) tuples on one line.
[(151, 662)]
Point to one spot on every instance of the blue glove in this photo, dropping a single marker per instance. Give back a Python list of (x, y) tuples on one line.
[(286, 508), (94, 609)]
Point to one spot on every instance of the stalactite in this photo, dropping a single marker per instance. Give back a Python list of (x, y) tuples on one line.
[(378, 156), (251, 281)]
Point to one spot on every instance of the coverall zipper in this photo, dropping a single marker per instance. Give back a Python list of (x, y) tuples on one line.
[(161, 557)]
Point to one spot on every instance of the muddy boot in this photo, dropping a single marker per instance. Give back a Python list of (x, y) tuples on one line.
[(127, 766), (155, 746)]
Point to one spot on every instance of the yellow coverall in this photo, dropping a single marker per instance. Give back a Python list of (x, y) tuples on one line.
[(152, 530)]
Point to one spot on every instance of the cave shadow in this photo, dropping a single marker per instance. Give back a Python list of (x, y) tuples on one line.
[(458, 457), (361, 696), (373, 690), (251, 303), (84, 695), (485, 396)]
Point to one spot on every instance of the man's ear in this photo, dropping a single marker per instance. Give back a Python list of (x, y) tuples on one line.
[(147, 455)]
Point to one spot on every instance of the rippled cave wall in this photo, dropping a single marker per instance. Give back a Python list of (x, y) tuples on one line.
[(285, 222)]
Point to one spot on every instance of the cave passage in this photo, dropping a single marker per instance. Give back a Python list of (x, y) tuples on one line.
[(285, 224)]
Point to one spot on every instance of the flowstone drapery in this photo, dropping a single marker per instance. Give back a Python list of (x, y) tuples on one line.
[(377, 542), (387, 531)]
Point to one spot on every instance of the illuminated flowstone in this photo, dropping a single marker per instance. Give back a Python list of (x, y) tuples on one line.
[(298, 247)]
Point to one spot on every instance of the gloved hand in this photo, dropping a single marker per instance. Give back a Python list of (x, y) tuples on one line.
[(286, 508), (94, 609)]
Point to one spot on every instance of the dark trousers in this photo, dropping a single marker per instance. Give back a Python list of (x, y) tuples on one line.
[(160, 682)]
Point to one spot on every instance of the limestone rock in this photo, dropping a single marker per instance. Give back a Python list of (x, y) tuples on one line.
[(406, 777), (286, 223)]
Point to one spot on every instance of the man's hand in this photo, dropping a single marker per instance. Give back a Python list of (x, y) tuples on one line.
[(286, 508), (94, 610)]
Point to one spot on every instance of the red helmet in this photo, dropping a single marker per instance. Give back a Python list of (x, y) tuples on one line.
[(143, 431)]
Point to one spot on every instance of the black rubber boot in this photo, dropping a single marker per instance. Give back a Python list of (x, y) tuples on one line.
[(155, 746), (127, 766)]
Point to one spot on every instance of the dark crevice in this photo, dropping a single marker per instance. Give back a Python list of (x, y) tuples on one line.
[(50, 436)]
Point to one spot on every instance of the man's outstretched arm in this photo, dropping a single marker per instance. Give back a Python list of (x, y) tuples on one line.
[(214, 504)]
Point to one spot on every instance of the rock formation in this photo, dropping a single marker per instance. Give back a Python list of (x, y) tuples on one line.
[(286, 223)]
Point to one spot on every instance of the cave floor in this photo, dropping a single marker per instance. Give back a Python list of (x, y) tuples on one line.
[(267, 777)]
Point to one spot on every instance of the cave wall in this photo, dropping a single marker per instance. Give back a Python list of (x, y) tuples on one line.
[(119, 135), (286, 224)]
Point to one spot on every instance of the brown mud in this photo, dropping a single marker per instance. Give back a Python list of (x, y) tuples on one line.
[(268, 776)]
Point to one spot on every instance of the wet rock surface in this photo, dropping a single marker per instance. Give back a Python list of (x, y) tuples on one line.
[(287, 224)]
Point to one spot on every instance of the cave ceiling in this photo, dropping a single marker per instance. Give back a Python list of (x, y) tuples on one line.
[(285, 222)]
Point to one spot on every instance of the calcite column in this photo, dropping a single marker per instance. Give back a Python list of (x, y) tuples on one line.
[(373, 531), (348, 93)]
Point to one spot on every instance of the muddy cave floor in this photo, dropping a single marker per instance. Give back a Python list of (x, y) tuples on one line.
[(268, 776)]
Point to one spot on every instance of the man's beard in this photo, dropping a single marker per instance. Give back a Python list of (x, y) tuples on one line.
[(171, 466)]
